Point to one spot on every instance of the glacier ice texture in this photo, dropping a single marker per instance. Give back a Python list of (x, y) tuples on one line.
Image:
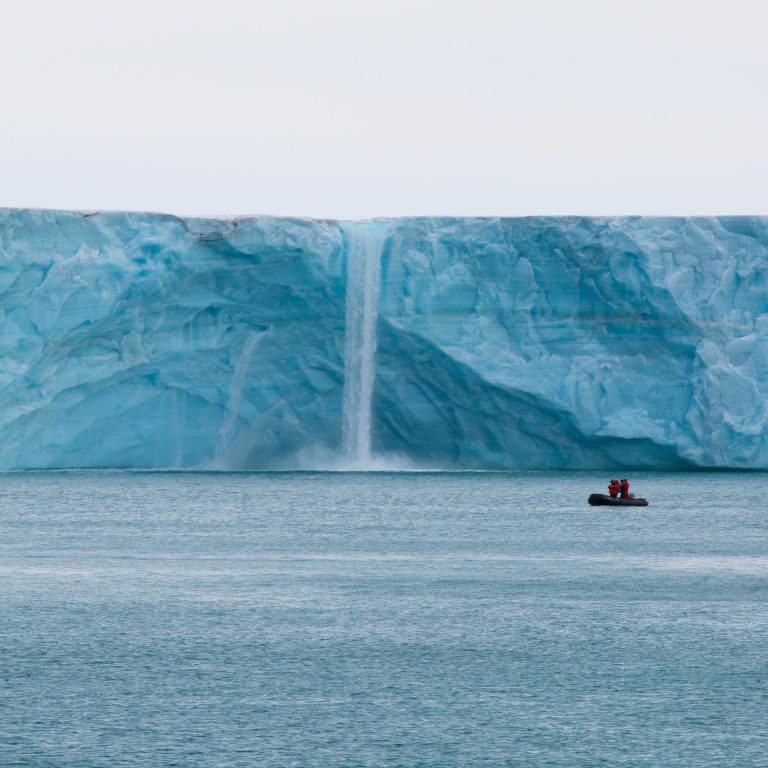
[(147, 340)]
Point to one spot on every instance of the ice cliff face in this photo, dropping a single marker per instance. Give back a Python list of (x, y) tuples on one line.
[(154, 341)]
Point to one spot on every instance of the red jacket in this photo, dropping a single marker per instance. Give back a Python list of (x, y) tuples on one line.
[(625, 488)]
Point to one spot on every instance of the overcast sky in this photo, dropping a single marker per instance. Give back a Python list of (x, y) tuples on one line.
[(359, 109)]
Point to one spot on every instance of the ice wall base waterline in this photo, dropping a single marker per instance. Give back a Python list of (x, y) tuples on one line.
[(143, 340)]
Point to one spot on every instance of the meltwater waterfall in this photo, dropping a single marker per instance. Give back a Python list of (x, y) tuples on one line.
[(364, 243)]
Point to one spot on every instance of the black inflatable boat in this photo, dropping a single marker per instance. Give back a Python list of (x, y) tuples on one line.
[(604, 500)]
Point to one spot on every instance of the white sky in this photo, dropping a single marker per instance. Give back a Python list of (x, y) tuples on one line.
[(358, 109)]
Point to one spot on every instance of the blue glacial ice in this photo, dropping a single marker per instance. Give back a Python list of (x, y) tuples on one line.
[(146, 340)]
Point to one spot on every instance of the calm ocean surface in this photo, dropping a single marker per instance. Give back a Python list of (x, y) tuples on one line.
[(425, 619)]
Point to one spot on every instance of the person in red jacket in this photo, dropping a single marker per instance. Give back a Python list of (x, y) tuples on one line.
[(613, 488), (624, 488)]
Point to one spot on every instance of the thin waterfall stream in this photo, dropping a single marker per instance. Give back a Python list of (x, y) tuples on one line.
[(234, 404), (364, 246)]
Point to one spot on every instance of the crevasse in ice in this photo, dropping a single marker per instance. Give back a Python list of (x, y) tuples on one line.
[(146, 340)]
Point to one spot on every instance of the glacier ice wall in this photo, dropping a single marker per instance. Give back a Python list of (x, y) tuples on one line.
[(152, 341), (146, 340)]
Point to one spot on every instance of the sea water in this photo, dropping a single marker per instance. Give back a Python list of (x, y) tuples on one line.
[(403, 619)]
